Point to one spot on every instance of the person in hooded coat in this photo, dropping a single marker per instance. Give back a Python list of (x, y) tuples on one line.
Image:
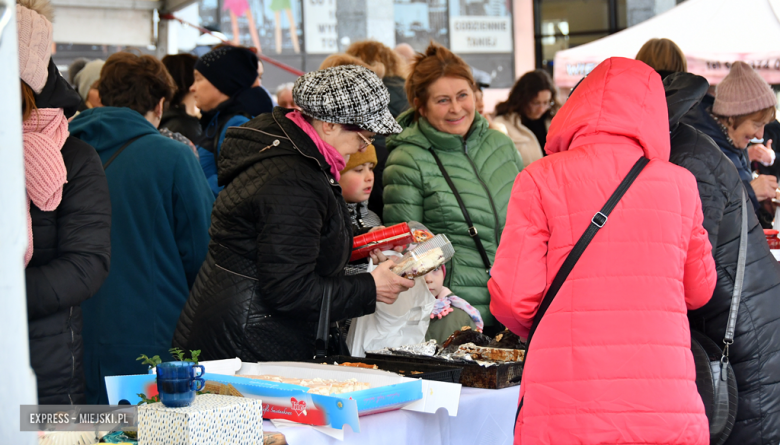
[(755, 354), (69, 223), (610, 361)]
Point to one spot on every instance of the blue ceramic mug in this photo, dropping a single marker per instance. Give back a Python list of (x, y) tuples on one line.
[(178, 382)]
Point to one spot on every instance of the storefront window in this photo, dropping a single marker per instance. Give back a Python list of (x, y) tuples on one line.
[(564, 24)]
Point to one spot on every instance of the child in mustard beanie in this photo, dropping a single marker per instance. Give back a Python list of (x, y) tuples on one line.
[(357, 181)]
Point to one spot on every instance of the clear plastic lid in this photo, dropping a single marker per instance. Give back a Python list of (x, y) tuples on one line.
[(425, 257)]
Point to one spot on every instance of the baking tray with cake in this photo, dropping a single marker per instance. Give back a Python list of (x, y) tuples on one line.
[(490, 363), (440, 372)]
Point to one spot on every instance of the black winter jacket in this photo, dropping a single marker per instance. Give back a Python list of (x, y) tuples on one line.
[(177, 120), (280, 233), (71, 253), (755, 354)]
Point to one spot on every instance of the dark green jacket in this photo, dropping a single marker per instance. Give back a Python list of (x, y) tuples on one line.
[(483, 169)]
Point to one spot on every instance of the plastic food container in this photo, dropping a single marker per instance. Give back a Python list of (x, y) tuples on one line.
[(389, 238), (425, 257)]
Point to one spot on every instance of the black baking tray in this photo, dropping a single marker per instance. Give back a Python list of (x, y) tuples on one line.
[(440, 372), (502, 375)]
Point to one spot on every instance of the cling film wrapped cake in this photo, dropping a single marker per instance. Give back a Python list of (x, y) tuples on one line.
[(424, 258)]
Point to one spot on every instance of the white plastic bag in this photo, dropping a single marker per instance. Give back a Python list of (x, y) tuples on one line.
[(404, 322)]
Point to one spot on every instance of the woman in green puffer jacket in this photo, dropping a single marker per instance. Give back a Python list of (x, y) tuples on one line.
[(482, 164)]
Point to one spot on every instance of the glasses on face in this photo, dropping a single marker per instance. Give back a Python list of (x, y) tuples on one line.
[(542, 104), (366, 141), (355, 129)]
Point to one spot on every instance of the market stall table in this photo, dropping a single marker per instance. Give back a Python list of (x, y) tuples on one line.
[(484, 416)]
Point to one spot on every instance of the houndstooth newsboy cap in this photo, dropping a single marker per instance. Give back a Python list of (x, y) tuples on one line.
[(347, 94)]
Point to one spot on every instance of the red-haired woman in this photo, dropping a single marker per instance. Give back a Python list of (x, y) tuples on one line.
[(443, 126)]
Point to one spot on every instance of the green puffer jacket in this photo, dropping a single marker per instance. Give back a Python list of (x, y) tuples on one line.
[(483, 169)]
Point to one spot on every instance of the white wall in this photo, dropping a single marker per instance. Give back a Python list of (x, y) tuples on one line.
[(18, 386)]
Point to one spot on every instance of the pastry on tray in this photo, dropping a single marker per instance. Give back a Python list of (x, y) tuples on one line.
[(465, 335), (359, 365), (491, 354), (316, 385), (507, 340)]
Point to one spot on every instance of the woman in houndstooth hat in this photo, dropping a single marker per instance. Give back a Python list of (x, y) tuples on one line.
[(281, 233)]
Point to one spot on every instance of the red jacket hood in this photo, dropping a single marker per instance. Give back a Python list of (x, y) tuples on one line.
[(622, 97)]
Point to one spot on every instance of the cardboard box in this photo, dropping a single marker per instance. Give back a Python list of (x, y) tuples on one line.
[(435, 395), (210, 420), (388, 391)]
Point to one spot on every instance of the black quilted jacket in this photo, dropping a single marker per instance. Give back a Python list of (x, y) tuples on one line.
[(280, 233), (72, 249), (755, 354)]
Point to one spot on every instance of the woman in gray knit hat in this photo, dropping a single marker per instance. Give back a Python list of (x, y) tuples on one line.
[(281, 233), (743, 104)]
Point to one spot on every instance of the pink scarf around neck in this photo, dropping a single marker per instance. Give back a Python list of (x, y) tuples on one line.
[(332, 156), (45, 175)]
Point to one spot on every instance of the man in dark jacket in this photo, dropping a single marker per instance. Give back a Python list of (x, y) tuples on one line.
[(71, 253), (227, 91), (755, 354)]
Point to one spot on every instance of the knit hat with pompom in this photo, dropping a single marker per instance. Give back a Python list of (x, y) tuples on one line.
[(33, 23)]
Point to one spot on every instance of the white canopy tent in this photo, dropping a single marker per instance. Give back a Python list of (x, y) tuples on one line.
[(711, 33), (113, 22)]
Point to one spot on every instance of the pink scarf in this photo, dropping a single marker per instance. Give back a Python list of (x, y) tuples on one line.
[(332, 156), (44, 135), (445, 301)]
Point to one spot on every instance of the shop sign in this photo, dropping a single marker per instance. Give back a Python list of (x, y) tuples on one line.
[(320, 26), (480, 34)]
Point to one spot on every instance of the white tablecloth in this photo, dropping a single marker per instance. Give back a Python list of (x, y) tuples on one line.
[(485, 417)]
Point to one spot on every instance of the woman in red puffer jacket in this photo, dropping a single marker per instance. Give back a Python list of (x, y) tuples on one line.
[(610, 361)]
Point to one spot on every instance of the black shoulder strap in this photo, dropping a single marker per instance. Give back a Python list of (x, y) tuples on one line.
[(121, 149), (472, 229), (596, 223), (739, 278), (323, 325)]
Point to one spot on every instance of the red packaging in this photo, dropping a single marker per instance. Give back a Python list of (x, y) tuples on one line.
[(385, 239), (771, 238)]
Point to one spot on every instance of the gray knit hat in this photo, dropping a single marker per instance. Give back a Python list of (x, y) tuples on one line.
[(742, 92), (347, 94)]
